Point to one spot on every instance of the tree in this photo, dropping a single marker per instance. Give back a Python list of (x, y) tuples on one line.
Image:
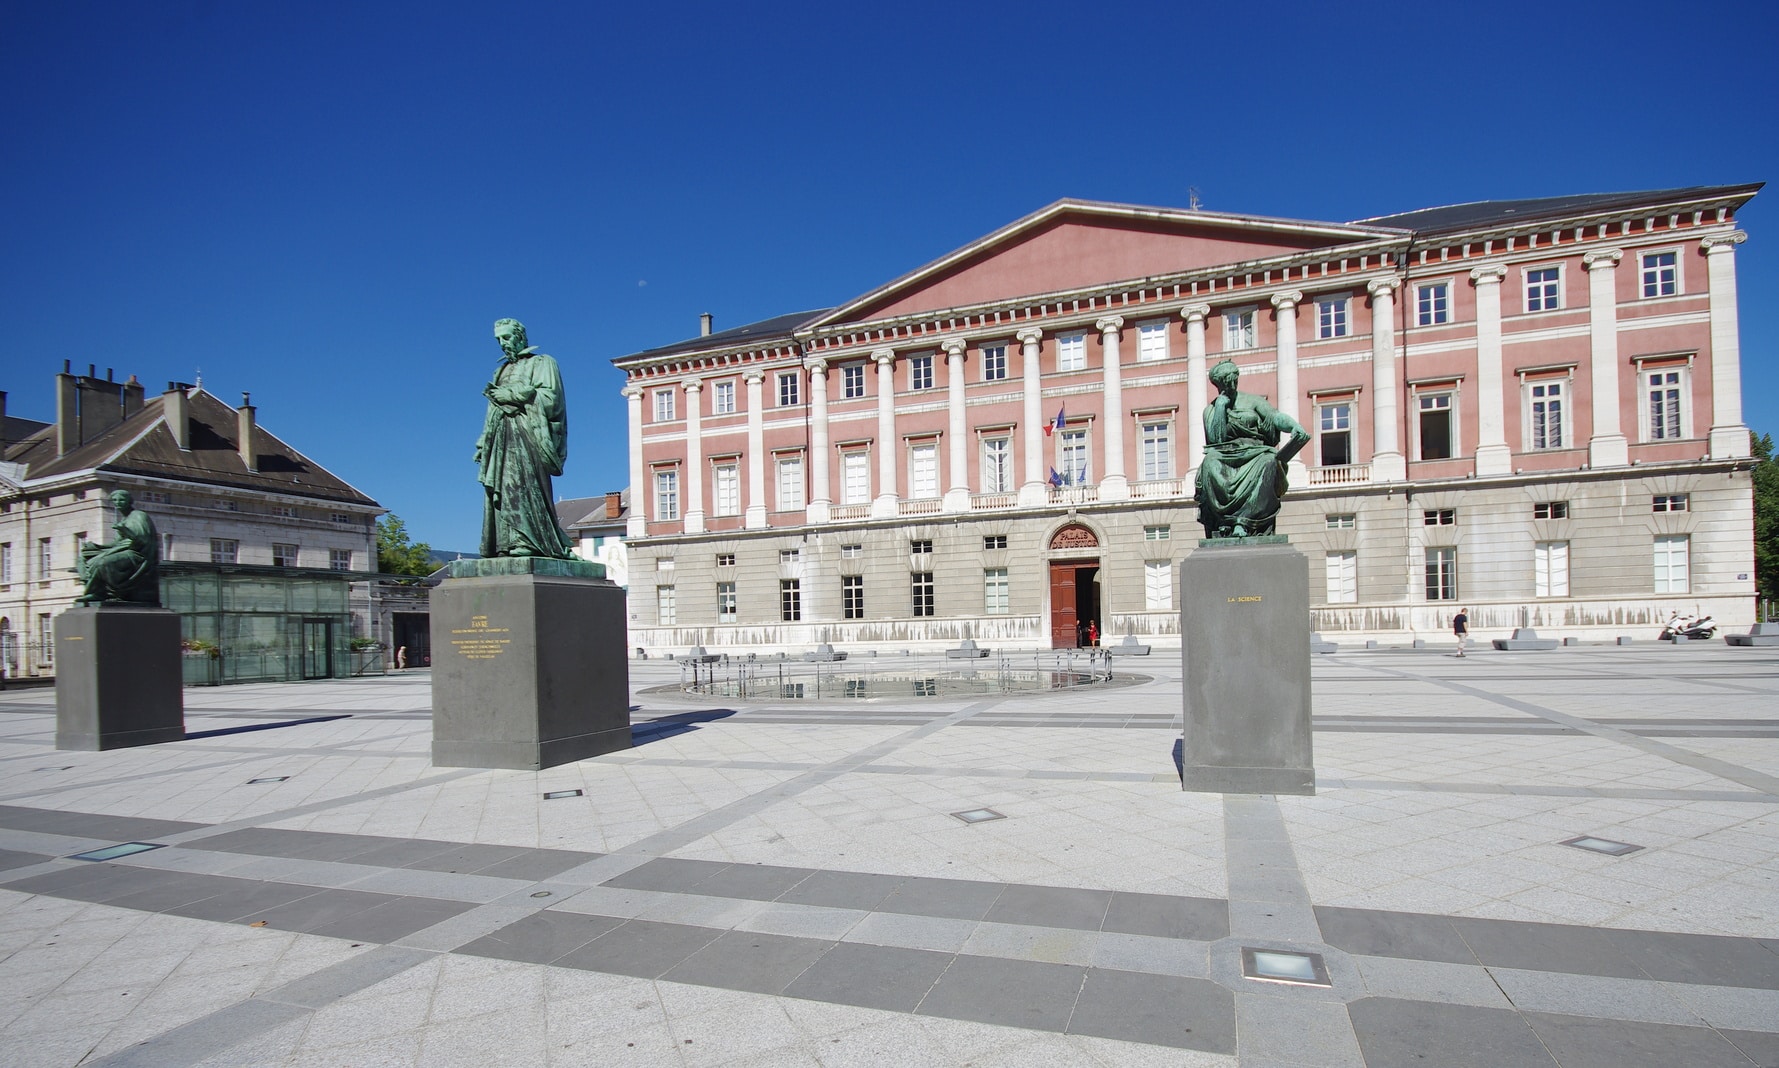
[(1766, 519), (396, 555)]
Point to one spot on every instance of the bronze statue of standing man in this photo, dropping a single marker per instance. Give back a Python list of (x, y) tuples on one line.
[(523, 445)]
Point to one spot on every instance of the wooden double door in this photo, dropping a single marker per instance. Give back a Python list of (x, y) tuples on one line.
[(1074, 603)]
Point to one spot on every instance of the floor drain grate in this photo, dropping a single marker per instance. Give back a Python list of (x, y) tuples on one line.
[(269, 778), (978, 815), (113, 852), (1602, 845), (554, 794), (1283, 966)]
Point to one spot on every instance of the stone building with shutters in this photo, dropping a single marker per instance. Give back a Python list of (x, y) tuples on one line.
[(1530, 408)]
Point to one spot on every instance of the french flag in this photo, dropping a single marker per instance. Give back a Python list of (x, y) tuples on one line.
[(1052, 428)]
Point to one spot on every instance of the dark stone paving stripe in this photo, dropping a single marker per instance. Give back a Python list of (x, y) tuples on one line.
[(88, 824)]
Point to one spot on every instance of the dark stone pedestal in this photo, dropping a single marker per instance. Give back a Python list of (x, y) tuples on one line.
[(1245, 637), (528, 671), (118, 678)]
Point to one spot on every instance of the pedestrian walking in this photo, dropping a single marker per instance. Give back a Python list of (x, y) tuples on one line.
[(1461, 627)]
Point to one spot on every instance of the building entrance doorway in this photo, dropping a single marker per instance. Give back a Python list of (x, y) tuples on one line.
[(318, 648), (1074, 603)]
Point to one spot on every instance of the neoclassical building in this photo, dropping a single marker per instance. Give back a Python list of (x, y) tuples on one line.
[(1530, 408)]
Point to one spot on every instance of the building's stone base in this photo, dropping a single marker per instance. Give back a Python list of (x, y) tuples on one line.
[(118, 678)]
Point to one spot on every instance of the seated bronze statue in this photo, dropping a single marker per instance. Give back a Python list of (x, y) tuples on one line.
[(1242, 476), (127, 571)]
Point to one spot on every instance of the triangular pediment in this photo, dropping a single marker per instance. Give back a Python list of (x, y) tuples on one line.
[(1074, 245)]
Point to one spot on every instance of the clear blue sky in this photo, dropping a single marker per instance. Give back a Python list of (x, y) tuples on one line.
[(329, 204)]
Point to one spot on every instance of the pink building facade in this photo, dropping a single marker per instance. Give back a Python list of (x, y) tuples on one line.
[(1528, 408)]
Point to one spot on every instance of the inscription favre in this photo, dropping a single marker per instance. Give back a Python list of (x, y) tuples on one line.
[(479, 641)]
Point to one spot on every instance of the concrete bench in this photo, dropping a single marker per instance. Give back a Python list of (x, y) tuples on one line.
[(697, 655), (824, 654), (1128, 647), (1759, 634), (966, 650), (1319, 644), (1525, 638)]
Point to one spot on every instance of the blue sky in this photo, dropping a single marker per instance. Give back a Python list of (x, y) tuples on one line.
[(329, 204)]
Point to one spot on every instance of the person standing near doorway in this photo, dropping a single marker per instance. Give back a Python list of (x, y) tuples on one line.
[(1461, 628)]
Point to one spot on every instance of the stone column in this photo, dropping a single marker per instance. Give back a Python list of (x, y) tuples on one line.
[(756, 450), (641, 501), (1493, 456), (1729, 435), (1285, 305), (957, 488), (1607, 447), (694, 458), (821, 494), (1198, 387), (884, 504), (1114, 486), (1387, 462), (1031, 491)]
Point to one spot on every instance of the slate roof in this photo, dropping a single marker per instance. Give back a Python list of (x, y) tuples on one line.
[(779, 327), (17, 429), (1484, 213), (142, 445), (585, 512)]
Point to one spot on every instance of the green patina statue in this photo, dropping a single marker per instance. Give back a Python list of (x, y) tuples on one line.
[(128, 571), (1242, 476), (523, 445)]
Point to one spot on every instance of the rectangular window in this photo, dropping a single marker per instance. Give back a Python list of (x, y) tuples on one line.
[(994, 363), (726, 602), (1544, 289), (224, 551), (849, 552), (790, 483), (1157, 457), (665, 612), (226, 505), (1545, 402), (1661, 274), (1343, 576), (726, 483), (994, 541), (1331, 317), (166, 546), (1158, 585), (922, 583), (78, 540), (1663, 392), (1436, 426), (46, 639), (1550, 510), (664, 563), (1151, 342), (663, 405), (1071, 352), (1340, 521), (852, 596), (852, 380), (855, 477), (997, 465), (666, 495), (1433, 304), (1671, 563), (1158, 532), (1439, 517), (994, 591), (920, 371), (920, 546), (1442, 573), (5, 563), (282, 511), (339, 559), (1550, 569), (1071, 455), (790, 556), (790, 600), (1335, 437), (284, 555), (157, 497), (340, 519), (1238, 330), (722, 398), (725, 559), (46, 559), (789, 391), (923, 470), (1672, 502)]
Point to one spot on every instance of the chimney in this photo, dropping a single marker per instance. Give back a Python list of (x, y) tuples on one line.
[(176, 411), (244, 420), (132, 397), (614, 502), (3, 441), (704, 325), (67, 411), (101, 404)]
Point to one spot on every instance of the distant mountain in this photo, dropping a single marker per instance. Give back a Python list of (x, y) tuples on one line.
[(445, 556)]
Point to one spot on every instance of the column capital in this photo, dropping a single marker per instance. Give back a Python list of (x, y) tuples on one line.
[(1031, 335), (1606, 257), (1385, 286), (1110, 324), (1489, 274), (816, 365), (692, 385), (1717, 243), (1195, 313), (633, 391), (1291, 298), (884, 357), (753, 376), (953, 346)]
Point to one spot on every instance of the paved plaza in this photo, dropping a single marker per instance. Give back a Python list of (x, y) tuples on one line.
[(786, 883)]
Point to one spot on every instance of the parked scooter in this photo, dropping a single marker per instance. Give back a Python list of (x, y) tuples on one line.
[(1692, 628)]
